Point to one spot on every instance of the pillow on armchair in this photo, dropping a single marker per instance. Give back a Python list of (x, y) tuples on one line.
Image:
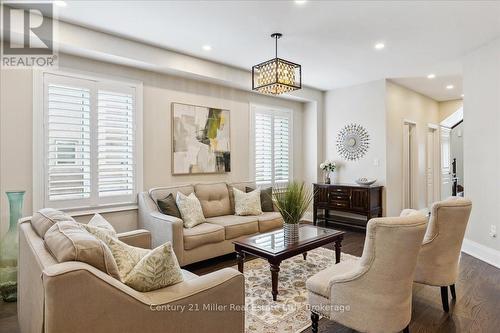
[(142, 269)]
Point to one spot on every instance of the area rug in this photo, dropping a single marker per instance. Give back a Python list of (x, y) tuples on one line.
[(289, 314)]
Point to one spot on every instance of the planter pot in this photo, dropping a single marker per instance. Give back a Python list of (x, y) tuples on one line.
[(9, 248), (291, 231)]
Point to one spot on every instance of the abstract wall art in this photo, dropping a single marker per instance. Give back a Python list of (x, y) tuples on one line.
[(201, 141)]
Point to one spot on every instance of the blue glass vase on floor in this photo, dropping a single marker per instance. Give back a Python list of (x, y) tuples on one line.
[(9, 245)]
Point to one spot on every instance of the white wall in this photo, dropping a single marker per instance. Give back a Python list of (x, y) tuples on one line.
[(482, 144), (160, 90), (362, 104)]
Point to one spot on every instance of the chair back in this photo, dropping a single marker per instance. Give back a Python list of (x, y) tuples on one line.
[(438, 260)]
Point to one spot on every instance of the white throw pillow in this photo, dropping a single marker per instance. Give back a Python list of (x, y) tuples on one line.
[(100, 222), (190, 208), (247, 203)]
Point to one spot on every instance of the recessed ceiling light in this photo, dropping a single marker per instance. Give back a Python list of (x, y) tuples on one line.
[(379, 46), (60, 3), (206, 48), (300, 2), (462, 95), (450, 86), (431, 76)]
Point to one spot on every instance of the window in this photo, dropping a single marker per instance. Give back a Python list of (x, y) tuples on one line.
[(272, 142), (89, 152)]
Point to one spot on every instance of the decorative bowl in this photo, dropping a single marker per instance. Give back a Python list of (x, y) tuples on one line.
[(365, 181)]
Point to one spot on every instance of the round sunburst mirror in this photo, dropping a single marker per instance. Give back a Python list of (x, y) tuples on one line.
[(353, 142)]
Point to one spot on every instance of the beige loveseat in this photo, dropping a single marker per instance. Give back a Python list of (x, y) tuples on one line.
[(76, 297), (207, 240)]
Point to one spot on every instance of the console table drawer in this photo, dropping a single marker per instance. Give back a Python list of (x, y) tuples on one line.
[(338, 197), (339, 190), (339, 204)]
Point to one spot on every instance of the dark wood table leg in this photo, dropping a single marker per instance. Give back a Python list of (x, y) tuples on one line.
[(305, 255), (275, 268), (338, 245), (240, 256), (314, 322), (315, 215)]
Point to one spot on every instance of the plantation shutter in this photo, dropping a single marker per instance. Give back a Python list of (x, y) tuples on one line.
[(281, 144), (68, 142), (89, 136), (272, 142), (263, 148), (115, 143)]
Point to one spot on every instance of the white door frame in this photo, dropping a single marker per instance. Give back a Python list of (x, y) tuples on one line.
[(410, 165)]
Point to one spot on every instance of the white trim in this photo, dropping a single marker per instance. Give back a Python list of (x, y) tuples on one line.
[(39, 167), (481, 252), (101, 210)]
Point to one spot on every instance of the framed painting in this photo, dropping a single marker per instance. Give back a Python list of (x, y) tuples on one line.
[(201, 140)]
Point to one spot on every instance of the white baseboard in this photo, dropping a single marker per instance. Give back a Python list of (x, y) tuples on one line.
[(481, 252)]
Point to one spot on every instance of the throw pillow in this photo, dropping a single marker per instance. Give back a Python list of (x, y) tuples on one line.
[(168, 206), (157, 269), (126, 256), (247, 203), (266, 198), (190, 208), (46, 218), (100, 222), (69, 241), (142, 269)]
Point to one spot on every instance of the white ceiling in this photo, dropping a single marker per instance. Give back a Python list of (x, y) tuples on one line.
[(333, 41)]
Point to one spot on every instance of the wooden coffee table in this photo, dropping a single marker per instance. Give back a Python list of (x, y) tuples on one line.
[(271, 246)]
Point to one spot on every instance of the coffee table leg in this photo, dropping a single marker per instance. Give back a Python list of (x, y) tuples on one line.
[(338, 245), (275, 268), (240, 256), (305, 255)]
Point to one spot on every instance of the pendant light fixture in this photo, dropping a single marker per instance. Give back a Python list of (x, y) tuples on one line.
[(276, 76)]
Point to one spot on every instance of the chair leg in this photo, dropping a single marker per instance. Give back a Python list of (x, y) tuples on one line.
[(452, 289), (314, 320), (444, 298), (407, 329)]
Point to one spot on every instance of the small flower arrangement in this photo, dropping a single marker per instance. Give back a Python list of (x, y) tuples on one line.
[(328, 166)]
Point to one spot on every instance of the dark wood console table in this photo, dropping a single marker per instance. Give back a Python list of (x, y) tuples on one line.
[(347, 198)]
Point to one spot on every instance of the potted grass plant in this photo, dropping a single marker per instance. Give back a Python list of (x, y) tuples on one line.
[(292, 202)]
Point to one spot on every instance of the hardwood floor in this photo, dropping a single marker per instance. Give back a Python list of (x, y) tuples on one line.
[(476, 309)]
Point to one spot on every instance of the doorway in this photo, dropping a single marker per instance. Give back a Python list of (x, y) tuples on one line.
[(410, 159), (432, 164), (452, 162)]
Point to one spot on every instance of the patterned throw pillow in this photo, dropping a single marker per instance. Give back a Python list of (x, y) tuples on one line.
[(247, 203), (100, 222), (157, 269), (190, 208), (126, 256), (266, 198), (142, 269)]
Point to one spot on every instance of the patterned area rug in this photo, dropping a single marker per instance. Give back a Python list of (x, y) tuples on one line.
[(290, 313)]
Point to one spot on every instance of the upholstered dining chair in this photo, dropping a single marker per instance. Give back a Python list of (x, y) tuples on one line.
[(372, 293), (438, 260)]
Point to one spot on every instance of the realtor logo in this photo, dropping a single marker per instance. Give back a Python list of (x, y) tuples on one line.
[(27, 35)]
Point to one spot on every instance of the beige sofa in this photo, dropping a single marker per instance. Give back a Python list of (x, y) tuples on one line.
[(76, 297), (211, 239)]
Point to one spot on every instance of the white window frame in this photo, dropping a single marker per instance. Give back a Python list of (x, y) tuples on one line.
[(40, 198), (271, 110)]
